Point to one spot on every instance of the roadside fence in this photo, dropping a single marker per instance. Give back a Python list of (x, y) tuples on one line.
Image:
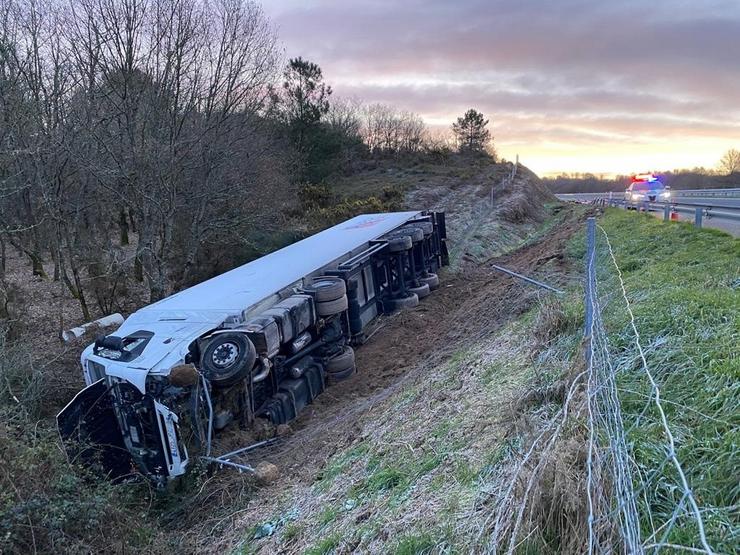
[(621, 492)]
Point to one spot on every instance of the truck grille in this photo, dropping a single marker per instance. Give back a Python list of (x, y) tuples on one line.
[(96, 371)]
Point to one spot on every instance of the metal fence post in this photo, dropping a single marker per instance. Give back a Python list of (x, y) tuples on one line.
[(590, 272), (697, 216), (666, 212)]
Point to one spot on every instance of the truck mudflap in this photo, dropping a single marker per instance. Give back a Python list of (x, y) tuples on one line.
[(91, 435)]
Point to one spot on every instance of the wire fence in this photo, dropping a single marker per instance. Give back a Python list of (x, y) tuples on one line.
[(619, 490)]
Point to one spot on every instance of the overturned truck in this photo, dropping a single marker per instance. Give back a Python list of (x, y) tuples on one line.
[(254, 345)]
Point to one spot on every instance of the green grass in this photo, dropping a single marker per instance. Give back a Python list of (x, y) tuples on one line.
[(328, 515), (682, 284), (325, 546), (416, 544), (339, 463)]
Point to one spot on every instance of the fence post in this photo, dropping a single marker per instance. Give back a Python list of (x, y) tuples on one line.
[(590, 272), (697, 216), (666, 212)]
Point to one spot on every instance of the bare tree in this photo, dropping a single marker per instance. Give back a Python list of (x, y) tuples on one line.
[(133, 121), (730, 162), (389, 130)]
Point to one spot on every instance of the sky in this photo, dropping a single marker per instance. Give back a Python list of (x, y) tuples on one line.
[(601, 86)]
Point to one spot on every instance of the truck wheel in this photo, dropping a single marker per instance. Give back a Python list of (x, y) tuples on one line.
[(421, 291), (399, 244), (426, 227), (227, 359), (414, 232), (330, 308), (403, 302), (334, 377), (342, 361), (432, 280), (326, 288)]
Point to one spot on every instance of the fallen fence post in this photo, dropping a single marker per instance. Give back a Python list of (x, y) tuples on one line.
[(527, 279)]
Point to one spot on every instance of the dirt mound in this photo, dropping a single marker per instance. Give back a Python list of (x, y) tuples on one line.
[(523, 198)]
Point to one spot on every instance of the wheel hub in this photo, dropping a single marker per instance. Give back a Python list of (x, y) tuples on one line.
[(225, 354)]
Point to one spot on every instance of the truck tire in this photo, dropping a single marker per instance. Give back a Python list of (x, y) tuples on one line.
[(330, 308), (341, 362), (227, 359), (421, 291), (432, 280), (414, 232), (326, 288), (409, 301), (399, 244), (426, 227), (334, 377)]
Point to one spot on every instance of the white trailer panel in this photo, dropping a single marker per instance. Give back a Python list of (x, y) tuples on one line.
[(247, 285)]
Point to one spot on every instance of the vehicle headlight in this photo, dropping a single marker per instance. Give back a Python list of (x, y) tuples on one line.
[(666, 194)]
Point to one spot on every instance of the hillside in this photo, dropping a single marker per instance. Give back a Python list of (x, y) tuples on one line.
[(41, 374), (436, 444)]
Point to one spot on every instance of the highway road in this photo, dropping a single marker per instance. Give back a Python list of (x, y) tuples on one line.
[(716, 198)]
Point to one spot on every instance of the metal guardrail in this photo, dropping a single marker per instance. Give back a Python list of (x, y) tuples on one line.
[(699, 211), (707, 192), (676, 193)]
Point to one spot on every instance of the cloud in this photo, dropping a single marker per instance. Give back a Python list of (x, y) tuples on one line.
[(635, 68)]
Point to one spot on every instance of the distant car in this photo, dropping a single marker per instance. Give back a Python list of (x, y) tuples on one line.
[(644, 189)]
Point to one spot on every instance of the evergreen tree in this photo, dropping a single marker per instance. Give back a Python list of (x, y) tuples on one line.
[(470, 132), (305, 102)]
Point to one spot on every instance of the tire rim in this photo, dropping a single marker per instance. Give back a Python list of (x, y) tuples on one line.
[(225, 354)]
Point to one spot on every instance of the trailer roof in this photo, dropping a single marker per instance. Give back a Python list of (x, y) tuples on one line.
[(247, 285)]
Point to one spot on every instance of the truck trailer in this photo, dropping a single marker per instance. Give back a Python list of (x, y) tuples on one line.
[(251, 346)]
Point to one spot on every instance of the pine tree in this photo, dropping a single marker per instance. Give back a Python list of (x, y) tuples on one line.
[(306, 99), (470, 131)]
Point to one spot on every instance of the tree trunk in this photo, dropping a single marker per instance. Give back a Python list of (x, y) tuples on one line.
[(75, 287), (3, 258), (138, 269), (37, 264), (123, 224), (54, 252)]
